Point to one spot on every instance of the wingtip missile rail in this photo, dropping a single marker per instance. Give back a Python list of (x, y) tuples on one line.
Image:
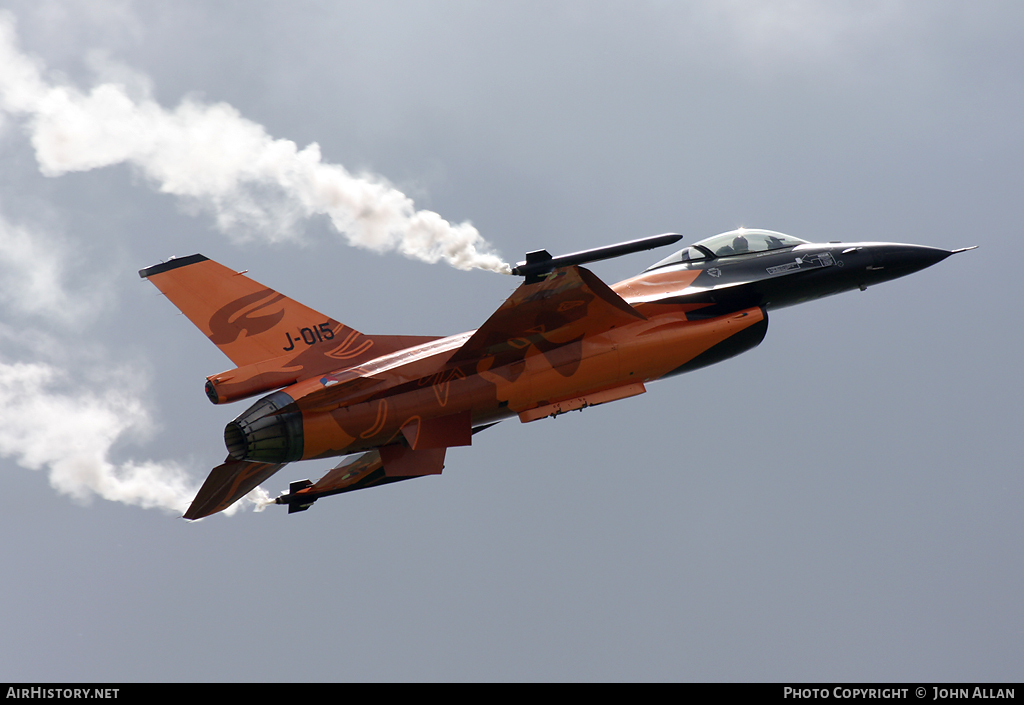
[(540, 262)]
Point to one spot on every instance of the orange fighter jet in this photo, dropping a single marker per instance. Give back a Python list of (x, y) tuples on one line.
[(563, 340)]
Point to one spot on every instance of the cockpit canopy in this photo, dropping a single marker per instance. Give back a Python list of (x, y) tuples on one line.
[(734, 242)]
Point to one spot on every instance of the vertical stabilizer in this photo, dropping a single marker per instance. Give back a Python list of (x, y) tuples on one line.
[(274, 341), (249, 322)]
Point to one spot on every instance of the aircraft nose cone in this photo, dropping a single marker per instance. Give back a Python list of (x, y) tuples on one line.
[(907, 259)]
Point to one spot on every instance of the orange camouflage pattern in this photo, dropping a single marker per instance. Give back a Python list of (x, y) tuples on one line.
[(562, 343)]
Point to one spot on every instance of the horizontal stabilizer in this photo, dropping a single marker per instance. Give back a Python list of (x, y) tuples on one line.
[(228, 483)]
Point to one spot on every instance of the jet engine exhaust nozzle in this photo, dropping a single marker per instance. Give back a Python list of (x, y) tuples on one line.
[(261, 435)]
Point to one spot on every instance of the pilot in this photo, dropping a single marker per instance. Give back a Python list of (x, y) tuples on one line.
[(739, 245)]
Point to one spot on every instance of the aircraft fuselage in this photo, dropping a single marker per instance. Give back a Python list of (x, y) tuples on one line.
[(687, 315), (563, 340)]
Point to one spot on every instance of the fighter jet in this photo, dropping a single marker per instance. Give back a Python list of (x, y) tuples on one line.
[(564, 340)]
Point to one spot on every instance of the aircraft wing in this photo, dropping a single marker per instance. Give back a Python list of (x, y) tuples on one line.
[(567, 305), (361, 472), (367, 470), (570, 304)]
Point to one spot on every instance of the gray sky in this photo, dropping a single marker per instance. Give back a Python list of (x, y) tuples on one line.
[(841, 503)]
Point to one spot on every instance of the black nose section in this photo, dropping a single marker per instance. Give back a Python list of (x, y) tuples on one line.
[(899, 260)]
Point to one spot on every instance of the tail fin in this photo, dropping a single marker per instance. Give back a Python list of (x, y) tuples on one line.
[(273, 340), (249, 322)]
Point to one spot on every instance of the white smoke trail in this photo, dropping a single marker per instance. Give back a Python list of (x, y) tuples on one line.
[(211, 155), (42, 425), (49, 418), (30, 273)]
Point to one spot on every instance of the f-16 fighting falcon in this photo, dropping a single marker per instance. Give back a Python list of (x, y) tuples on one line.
[(563, 340)]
